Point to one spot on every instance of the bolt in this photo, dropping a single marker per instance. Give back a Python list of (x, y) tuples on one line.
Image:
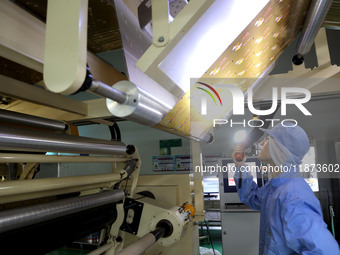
[(224, 232), (161, 39)]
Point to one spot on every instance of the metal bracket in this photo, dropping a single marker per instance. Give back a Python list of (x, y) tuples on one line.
[(66, 45), (133, 213), (198, 181), (160, 22), (322, 49), (172, 33)]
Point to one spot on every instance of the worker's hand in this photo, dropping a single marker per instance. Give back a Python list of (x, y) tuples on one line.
[(238, 163)]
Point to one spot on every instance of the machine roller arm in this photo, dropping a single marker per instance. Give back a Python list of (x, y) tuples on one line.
[(30, 120), (20, 139), (22, 217)]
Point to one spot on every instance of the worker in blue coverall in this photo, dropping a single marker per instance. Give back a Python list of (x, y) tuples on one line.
[(291, 218)]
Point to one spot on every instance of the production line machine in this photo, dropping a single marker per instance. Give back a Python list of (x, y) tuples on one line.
[(44, 214), (135, 214)]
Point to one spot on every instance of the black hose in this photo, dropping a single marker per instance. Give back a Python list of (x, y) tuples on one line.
[(211, 242), (115, 132), (116, 127)]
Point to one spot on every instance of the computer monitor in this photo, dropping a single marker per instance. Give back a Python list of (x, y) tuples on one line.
[(228, 176), (211, 187)]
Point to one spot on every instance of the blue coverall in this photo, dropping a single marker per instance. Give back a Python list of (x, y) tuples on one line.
[(291, 218)]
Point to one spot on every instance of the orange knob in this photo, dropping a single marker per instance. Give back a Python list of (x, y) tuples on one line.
[(188, 207)]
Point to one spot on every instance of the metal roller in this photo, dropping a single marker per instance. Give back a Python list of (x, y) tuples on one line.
[(164, 228), (26, 158), (140, 246), (22, 217), (140, 106), (47, 236), (33, 121), (107, 91), (102, 249), (316, 15), (19, 190), (20, 139)]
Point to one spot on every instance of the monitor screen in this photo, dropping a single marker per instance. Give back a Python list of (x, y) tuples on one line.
[(228, 176), (231, 173), (210, 185)]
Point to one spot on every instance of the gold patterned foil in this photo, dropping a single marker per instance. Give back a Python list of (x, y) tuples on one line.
[(243, 61)]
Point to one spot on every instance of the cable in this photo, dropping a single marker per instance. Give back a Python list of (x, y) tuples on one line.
[(113, 133), (36, 171), (331, 212), (116, 127), (212, 245)]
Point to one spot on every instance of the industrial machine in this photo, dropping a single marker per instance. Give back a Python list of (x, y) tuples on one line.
[(56, 211), (175, 52), (68, 208)]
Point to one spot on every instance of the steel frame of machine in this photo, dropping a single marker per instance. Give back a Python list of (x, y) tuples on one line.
[(27, 48)]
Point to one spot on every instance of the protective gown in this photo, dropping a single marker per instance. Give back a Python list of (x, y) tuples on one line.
[(291, 217)]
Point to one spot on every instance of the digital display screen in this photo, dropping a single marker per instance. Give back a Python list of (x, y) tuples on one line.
[(252, 165), (231, 181), (210, 185)]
